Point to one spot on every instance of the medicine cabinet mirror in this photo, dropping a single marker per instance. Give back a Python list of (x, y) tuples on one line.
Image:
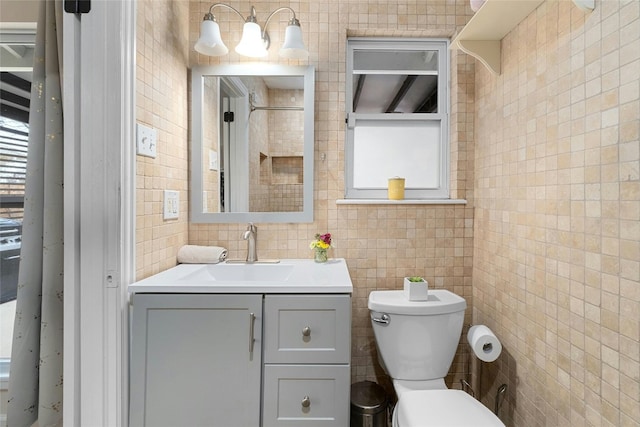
[(252, 128)]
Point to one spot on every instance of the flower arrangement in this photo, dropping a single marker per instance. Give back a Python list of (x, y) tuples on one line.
[(320, 245), (322, 241)]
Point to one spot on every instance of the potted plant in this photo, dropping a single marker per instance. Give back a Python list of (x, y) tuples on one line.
[(416, 288)]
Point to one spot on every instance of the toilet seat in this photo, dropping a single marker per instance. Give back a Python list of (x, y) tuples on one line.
[(442, 408)]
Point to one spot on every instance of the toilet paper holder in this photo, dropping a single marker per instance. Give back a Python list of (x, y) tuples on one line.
[(466, 387)]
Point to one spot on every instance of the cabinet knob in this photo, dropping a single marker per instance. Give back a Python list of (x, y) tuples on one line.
[(306, 331), (306, 402)]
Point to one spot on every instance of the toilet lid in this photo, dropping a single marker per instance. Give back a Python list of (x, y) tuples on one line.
[(440, 301), (443, 408)]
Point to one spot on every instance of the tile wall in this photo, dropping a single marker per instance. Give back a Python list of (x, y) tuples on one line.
[(161, 102), (550, 198), (210, 131), (556, 265)]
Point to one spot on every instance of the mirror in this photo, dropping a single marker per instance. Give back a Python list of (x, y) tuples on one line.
[(252, 128)]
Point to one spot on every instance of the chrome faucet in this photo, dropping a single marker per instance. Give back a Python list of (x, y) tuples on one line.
[(250, 236)]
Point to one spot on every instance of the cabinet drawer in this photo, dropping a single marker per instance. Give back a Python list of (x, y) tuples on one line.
[(307, 329), (306, 395)]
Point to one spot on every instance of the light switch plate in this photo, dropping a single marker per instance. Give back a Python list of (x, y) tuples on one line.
[(171, 204), (146, 141)]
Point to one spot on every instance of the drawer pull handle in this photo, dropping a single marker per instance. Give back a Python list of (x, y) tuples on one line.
[(306, 331), (306, 402), (252, 321)]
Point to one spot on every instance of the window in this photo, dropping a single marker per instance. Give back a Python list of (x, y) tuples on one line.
[(397, 117), (16, 60), (14, 139)]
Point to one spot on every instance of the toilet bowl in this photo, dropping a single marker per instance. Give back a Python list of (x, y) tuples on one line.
[(416, 342)]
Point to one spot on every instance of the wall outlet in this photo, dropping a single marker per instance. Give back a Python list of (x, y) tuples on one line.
[(146, 141), (171, 204)]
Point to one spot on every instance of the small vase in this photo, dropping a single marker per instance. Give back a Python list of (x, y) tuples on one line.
[(320, 255)]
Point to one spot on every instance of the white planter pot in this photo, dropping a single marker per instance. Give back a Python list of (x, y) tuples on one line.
[(416, 291)]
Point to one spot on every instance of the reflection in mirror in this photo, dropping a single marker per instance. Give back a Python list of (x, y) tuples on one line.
[(274, 142), (252, 148)]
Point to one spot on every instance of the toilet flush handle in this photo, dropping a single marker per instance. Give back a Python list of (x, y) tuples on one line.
[(383, 320)]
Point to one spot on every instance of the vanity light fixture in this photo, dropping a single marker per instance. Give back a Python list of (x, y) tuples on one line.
[(255, 40)]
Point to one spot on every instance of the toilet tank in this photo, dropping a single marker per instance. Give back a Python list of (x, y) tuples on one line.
[(420, 338)]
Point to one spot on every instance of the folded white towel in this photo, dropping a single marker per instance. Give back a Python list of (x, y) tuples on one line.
[(192, 254)]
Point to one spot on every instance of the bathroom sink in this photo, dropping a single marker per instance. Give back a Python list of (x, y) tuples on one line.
[(241, 272), (287, 276)]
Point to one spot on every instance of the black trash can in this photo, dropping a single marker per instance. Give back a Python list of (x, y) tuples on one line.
[(369, 405)]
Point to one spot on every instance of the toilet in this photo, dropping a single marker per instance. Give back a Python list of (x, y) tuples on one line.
[(416, 342)]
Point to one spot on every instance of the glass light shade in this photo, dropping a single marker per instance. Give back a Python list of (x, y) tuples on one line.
[(293, 46), (251, 43), (210, 42)]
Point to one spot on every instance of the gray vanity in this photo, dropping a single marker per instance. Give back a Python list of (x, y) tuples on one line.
[(242, 345)]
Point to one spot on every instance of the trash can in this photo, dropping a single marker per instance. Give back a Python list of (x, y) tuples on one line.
[(369, 405)]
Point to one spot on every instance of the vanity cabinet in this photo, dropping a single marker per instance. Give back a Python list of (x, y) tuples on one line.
[(196, 360), (226, 360)]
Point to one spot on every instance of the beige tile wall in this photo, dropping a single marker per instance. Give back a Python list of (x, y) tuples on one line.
[(553, 274), (161, 98), (556, 271), (210, 131)]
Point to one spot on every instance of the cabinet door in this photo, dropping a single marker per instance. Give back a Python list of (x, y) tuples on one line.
[(192, 362), (306, 396), (307, 329)]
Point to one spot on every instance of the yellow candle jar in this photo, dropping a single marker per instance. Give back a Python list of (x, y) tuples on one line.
[(396, 188)]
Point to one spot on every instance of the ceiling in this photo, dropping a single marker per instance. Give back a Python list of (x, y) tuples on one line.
[(16, 61), (15, 93), (395, 93), (395, 80)]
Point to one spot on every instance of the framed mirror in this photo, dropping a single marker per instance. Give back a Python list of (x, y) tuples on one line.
[(252, 129)]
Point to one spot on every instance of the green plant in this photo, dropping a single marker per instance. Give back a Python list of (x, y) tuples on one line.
[(415, 279)]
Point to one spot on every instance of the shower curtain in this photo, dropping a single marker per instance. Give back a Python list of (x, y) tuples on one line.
[(35, 383)]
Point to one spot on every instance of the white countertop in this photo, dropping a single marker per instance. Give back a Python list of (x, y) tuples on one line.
[(292, 276)]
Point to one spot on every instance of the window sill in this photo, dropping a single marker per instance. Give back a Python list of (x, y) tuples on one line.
[(401, 202)]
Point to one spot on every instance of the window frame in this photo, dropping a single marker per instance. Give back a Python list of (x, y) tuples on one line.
[(441, 45)]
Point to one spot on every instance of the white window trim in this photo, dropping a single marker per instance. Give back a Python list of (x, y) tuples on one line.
[(442, 193)]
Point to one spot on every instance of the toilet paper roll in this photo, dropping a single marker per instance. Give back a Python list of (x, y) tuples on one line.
[(484, 343)]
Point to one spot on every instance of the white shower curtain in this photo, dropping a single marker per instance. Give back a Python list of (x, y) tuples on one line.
[(35, 383)]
